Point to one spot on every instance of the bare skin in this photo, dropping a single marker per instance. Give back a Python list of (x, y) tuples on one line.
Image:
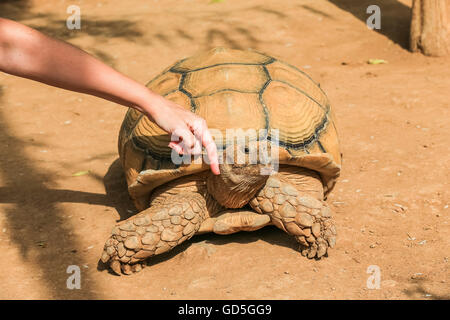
[(28, 53), (291, 199)]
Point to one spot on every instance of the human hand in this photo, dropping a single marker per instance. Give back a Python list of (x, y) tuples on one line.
[(189, 132)]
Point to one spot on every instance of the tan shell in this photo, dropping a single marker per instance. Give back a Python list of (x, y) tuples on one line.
[(233, 89)]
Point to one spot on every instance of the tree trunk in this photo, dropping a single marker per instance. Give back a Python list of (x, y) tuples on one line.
[(430, 27)]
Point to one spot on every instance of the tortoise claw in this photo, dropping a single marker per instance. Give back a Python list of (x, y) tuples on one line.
[(115, 266)]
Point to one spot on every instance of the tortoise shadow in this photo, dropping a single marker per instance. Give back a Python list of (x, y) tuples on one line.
[(117, 191)]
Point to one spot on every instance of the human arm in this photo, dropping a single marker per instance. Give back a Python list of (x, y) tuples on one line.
[(27, 53)]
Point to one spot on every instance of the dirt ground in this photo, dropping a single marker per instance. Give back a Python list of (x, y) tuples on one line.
[(390, 204)]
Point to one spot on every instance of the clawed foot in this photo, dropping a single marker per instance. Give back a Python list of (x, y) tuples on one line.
[(318, 238), (151, 232), (301, 215)]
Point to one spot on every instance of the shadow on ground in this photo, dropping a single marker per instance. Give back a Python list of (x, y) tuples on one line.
[(35, 224), (419, 292), (395, 17)]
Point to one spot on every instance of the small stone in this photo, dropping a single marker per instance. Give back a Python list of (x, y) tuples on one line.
[(188, 229), (289, 190), (160, 215), (304, 219), (132, 242), (266, 206), (418, 276), (316, 229), (169, 235), (175, 211), (288, 211)]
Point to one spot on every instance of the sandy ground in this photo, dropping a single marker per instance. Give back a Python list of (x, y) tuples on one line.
[(391, 202)]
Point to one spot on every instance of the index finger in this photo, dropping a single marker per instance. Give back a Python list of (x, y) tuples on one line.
[(211, 149)]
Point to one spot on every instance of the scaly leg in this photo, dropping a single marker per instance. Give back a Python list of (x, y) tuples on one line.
[(299, 214), (153, 231)]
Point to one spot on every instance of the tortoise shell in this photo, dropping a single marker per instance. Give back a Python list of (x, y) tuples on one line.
[(233, 89)]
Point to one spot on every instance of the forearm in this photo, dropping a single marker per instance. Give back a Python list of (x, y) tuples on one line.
[(28, 53)]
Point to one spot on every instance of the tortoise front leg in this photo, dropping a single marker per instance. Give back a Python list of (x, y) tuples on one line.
[(153, 231), (298, 214)]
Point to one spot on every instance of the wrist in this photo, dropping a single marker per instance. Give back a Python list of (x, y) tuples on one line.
[(148, 103)]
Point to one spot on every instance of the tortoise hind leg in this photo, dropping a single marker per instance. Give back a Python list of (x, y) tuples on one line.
[(153, 231), (299, 214)]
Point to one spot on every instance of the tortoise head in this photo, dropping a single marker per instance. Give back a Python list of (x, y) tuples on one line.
[(241, 177)]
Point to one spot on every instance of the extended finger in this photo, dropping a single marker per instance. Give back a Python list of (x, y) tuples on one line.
[(211, 149)]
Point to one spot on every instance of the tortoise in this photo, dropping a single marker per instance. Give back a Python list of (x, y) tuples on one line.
[(230, 89)]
